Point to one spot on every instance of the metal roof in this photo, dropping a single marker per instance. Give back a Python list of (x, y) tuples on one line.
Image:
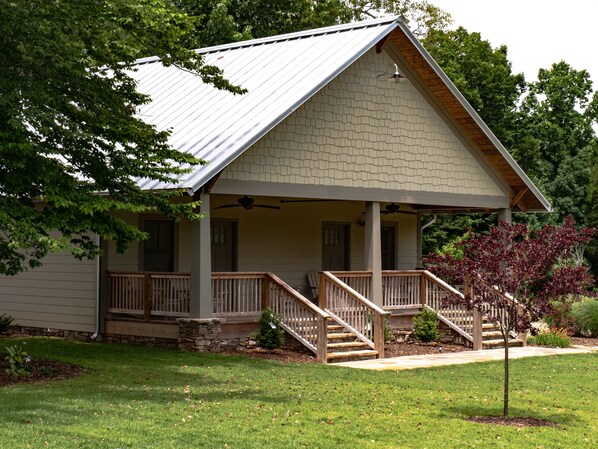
[(279, 73)]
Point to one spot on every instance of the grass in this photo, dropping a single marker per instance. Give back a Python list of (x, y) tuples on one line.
[(134, 397)]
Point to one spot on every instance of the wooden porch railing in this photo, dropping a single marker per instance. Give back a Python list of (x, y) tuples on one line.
[(415, 289), (234, 295), (150, 293), (353, 310), (301, 318), (237, 294), (342, 295)]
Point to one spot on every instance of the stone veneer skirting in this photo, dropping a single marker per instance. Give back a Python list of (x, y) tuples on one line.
[(200, 335)]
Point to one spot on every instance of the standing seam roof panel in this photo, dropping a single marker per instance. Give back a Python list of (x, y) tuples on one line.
[(280, 75)]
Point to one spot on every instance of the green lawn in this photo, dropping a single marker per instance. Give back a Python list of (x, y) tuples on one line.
[(134, 397)]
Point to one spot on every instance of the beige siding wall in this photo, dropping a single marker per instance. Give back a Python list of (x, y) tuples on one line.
[(364, 131), (59, 295), (288, 241), (130, 259)]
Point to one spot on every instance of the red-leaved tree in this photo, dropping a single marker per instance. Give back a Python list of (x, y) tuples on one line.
[(515, 276)]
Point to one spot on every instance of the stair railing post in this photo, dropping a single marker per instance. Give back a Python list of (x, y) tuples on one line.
[(322, 346), (379, 334), (423, 289), (265, 292), (148, 296), (477, 318), (322, 293)]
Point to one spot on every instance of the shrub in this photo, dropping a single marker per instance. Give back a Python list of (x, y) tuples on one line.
[(585, 313), (18, 361), (269, 335), (561, 317), (5, 323), (425, 326), (554, 338)]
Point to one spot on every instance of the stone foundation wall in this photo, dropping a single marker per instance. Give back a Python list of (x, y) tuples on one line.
[(156, 342), (47, 332)]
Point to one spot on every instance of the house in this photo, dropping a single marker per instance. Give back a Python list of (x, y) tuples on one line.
[(346, 136)]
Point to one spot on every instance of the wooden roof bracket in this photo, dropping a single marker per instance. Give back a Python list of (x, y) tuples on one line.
[(517, 198)]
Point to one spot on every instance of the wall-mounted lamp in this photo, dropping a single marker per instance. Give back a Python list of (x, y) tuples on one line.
[(396, 76), (361, 222)]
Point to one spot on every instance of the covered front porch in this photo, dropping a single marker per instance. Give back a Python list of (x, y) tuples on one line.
[(327, 266), (342, 302)]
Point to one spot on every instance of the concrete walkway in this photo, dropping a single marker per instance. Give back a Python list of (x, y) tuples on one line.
[(458, 358)]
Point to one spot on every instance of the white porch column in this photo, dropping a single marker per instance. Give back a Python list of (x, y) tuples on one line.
[(201, 264), (505, 215), (373, 250)]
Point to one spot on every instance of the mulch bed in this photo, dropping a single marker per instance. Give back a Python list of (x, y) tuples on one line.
[(396, 349), (514, 422), (40, 370)]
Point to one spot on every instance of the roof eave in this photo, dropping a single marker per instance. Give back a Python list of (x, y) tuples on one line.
[(477, 119)]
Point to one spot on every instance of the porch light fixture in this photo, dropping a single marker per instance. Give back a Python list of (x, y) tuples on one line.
[(396, 76), (361, 222)]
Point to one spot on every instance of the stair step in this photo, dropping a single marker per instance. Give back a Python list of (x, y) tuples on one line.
[(351, 354), (491, 335), (499, 343), (348, 344), (339, 335), (488, 325), (335, 327)]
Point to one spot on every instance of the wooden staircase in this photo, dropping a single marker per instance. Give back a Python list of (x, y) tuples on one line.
[(492, 336), (344, 345)]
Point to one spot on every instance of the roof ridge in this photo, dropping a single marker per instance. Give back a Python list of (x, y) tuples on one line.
[(286, 37)]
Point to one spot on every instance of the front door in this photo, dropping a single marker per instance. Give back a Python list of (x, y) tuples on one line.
[(335, 247), (224, 245)]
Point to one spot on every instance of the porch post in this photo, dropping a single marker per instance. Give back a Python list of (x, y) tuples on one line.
[(373, 250), (505, 215), (419, 240), (201, 264)]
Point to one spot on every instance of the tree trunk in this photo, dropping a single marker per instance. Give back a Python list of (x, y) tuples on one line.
[(505, 411)]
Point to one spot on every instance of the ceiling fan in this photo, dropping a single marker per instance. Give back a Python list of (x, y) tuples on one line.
[(394, 208), (247, 203)]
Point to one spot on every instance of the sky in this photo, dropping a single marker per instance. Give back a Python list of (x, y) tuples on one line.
[(537, 33)]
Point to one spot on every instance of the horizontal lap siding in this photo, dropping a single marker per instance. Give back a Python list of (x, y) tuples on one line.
[(288, 241), (59, 295)]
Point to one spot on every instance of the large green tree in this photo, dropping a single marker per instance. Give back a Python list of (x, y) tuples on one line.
[(557, 118), (547, 125), (70, 142), (483, 74), (225, 21)]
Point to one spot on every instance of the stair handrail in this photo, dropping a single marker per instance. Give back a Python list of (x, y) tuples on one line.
[(360, 327), (476, 320), (505, 295), (299, 327)]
